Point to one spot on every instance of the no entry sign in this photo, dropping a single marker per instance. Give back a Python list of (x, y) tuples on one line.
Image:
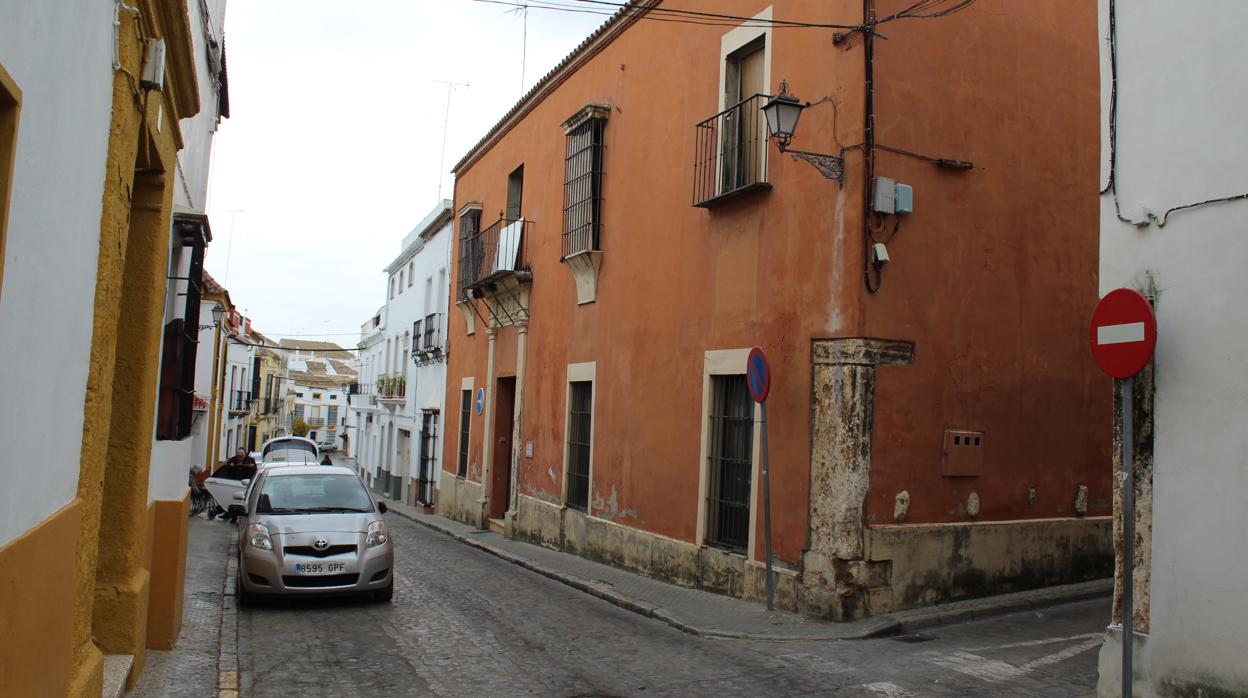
[(1123, 333), (758, 374)]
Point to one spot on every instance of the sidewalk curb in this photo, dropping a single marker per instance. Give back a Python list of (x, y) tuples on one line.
[(883, 626), (227, 643)]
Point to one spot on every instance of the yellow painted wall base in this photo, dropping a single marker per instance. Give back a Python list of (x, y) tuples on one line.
[(120, 618), (169, 540), (36, 607)]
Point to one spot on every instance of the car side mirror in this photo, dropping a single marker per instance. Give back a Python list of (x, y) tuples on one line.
[(237, 510), (381, 507), (238, 496)]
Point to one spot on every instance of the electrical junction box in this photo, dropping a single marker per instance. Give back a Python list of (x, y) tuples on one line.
[(903, 199), (962, 454), (884, 190)]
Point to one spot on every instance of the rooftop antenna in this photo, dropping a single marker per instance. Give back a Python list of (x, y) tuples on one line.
[(229, 246), (446, 119)]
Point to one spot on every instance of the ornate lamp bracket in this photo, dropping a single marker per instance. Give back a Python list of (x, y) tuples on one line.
[(830, 166)]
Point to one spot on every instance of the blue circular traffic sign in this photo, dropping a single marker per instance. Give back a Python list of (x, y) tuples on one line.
[(758, 374), (480, 400)]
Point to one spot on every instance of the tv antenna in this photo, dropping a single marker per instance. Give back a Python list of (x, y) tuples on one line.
[(446, 120)]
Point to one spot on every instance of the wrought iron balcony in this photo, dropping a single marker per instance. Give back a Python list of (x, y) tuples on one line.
[(240, 401), (493, 254), (730, 156), (392, 387)]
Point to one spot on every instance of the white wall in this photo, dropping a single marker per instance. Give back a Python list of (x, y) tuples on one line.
[(60, 56), (1180, 140)]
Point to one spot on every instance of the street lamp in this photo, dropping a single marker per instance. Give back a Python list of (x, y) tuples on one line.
[(217, 312), (782, 113)]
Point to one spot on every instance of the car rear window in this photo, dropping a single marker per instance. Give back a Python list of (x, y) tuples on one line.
[(289, 445), (292, 494)]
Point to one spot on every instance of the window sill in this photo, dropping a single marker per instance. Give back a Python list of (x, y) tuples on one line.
[(733, 194)]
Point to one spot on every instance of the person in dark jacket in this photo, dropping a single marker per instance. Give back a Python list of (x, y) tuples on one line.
[(240, 467)]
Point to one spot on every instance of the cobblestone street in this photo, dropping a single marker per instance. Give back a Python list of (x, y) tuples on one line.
[(465, 623)]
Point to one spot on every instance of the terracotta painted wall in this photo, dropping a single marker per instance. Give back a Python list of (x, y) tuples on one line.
[(676, 280), (783, 267), (994, 277)]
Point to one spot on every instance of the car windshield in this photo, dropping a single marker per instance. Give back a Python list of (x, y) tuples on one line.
[(301, 494), (289, 445), (290, 456)]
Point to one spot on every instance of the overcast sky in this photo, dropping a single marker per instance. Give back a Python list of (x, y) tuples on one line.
[(331, 154)]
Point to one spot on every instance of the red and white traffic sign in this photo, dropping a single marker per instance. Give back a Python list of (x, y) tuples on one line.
[(1123, 333)]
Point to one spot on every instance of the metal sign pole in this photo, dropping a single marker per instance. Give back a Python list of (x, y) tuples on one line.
[(1128, 529), (767, 511)]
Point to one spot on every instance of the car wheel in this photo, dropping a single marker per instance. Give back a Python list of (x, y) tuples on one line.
[(387, 594), (241, 598)]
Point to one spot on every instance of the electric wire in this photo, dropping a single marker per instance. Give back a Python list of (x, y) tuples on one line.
[(1111, 185)]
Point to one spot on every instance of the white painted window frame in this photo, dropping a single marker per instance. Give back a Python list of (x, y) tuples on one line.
[(586, 371), (726, 362)]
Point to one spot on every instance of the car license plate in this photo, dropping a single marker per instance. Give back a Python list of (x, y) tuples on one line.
[(320, 568)]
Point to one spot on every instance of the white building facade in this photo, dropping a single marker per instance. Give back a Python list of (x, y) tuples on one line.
[(1173, 226), (404, 367)]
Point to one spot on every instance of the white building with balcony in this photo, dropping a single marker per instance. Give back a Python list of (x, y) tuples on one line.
[(403, 367)]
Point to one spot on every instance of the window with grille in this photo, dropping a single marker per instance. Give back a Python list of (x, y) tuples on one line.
[(582, 188), (298, 411), (465, 415), (580, 434), (428, 457), (332, 416), (731, 432), (470, 250)]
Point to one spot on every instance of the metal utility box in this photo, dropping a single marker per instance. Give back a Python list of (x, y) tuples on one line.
[(963, 454), (883, 192), (903, 199)]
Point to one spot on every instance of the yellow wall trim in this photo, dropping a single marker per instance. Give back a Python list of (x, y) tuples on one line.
[(36, 618)]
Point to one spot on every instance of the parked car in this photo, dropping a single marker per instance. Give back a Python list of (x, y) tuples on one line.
[(312, 530), (281, 450)]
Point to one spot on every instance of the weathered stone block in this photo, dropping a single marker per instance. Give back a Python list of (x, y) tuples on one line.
[(721, 571)]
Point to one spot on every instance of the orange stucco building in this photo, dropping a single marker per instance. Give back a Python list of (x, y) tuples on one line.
[(627, 232)]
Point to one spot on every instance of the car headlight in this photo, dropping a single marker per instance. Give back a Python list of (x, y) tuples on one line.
[(377, 534), (258, 537)]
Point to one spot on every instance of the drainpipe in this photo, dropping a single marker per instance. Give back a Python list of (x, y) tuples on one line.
[(212, 401), (522, 342), (223, 345)]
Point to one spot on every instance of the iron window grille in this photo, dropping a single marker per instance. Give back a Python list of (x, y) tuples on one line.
[(730, 463), (332, 417), (730, 156), (465, 415), (428, 458), (582, 188), (580, 426), (469, 252), (432, 327), (416, 332)]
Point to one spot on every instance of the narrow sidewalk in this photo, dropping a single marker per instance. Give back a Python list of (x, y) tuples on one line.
[(191, 667), (711, 615)]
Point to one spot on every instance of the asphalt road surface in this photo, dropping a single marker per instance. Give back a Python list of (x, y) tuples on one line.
[(465, 623)]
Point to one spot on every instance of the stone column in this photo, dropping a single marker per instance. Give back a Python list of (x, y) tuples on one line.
[(522, 343), (840, 468), (487, 429)]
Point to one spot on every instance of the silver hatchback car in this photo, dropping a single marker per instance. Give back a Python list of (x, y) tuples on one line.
[(312, 530)]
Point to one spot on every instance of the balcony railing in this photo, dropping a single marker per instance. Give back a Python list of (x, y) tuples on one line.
[(392, 387), (314, 421), (240, 401), (497, 251), (433, 332), (268, 405), (730, 156)]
